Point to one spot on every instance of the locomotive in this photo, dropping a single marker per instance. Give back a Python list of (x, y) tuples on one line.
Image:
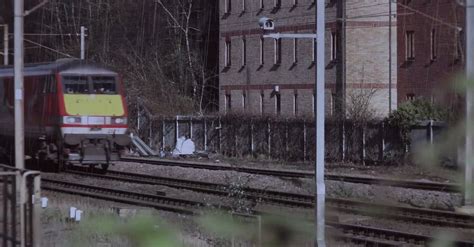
[(75, 113)]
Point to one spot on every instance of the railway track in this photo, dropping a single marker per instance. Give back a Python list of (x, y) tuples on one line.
[(354, 233), (410, 184), (370, 236), (423, 216)]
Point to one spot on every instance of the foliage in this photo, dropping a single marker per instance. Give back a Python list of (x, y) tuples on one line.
[(414, 111), (142, 231)]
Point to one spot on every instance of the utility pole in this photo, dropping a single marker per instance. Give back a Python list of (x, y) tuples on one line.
[(319, 112), (83, 42), (468, 194), (390, 56), (5, 44), (18, 67), (320, 85)]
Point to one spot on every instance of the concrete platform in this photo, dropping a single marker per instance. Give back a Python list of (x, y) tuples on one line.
[(466, 210)]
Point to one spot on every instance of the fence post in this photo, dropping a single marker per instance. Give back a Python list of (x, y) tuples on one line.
[(252, 144), (382, 137), (36, 236), (177, 128), (220, 135), (205, 134), (304, 140), (363, 145), (287, 149), (191, 128), (163, 134), (343, 141), (430, 131), (150, 133), (269, 139)]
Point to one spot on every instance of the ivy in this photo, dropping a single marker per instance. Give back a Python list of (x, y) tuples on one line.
[(409, 113)]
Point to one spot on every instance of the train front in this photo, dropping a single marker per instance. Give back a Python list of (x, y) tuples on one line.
[(94, 115)]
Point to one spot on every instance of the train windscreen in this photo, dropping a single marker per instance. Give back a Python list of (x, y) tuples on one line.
[(76, 85), (104, 85), (90, 85)]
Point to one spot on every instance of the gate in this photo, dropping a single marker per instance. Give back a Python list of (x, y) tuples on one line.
[(20, 207)]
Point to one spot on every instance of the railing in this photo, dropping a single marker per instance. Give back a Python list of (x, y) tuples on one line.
[(20, 207), (288, 139)]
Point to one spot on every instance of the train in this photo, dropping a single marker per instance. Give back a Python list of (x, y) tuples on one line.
[(75, 114)]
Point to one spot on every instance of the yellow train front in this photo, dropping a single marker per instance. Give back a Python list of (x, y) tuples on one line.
[(75, 113), (94, 115)]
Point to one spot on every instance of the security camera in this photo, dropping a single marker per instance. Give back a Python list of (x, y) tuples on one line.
[(266, 23)]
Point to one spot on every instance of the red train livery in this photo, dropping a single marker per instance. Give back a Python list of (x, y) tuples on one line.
[(75, 112)]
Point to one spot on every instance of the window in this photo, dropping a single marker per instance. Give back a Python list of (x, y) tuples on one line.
[(410, 45), (228, 103), (243, 5), (227, 58), (262, 51), (278, 104), (277, 4), (295, 51), (103, 85), (244, 52), (261, 5), (433, 45), (334, 46), (313, 51), (410, 96), (295, 2), (244, 100), (262, 102), (277, 51), (227, 6), (295, 104), (76, 85)]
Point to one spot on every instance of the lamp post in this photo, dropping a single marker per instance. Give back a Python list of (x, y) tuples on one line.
[(319, 37), (468, 194)]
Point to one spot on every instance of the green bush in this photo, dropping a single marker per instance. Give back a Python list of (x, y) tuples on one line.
[(409, 113)]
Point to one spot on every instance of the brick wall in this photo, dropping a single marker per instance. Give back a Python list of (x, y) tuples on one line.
[(366, 56), (425, 77)]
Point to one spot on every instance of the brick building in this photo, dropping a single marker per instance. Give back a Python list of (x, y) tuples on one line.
[(430, 45), (276, 77)]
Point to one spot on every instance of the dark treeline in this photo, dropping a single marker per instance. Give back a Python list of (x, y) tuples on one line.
[(161, 47)]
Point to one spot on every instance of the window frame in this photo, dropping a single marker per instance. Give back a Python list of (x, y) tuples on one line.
[(433, 45), (295, 51), (278, 104), (334, 46), (227, 6), (410, 45), (228, 54), (244, 52), (277, 52)]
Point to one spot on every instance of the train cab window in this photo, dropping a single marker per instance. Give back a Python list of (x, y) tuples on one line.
[(76, 85), (104, 85)]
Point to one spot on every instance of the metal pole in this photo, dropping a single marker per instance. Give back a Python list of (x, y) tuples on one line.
[(320, 83), (19, 110), (468, 200), (5, 44), (389, 56), (83, 41)]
